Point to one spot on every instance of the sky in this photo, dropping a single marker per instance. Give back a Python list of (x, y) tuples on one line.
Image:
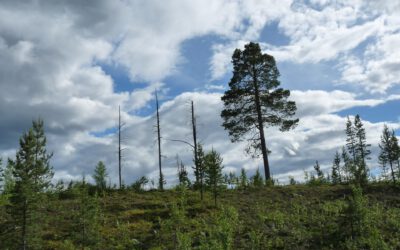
[(72, 63)]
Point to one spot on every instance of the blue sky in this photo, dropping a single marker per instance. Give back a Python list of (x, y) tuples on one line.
[(74, 63)]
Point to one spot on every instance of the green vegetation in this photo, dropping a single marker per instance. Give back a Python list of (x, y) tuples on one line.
[(279, 217), (100, 175)]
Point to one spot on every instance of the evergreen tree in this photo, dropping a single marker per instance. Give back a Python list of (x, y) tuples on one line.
[(100, 175), (257, 179), (357, 225), (3, 195), (358, 151), (140, 184), (292, 181), (213, 173), (243, 181), (388, 154), (255, 101), (336, 173), (320, 174), (362, 152), (32, 174), (86, 217), (347, 167), (182, 173), (396, 152), (351, 139), (199, 170)]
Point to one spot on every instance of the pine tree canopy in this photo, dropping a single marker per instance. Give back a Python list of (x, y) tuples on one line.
[(255, 101), (255, 74)]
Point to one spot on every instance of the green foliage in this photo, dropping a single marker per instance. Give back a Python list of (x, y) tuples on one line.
[(178, 223), (292, 181), (271, 182), (86, 217), (32, 175), (358, 227), (182, 173), (199, 170), (357, 154), (243, 181), (100, 175), (277, 217), (232, 180), (390, 151), (213, 173), (257, 180), (336, 170), (139, 184), (3, 196), (358, 151), (220, 231), (318, 179)]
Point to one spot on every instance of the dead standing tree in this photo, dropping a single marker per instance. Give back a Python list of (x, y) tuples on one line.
[(120, 149), (161, 180), (198, 170)]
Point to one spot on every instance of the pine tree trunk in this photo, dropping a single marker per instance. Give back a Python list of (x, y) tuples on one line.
[(119, 146), (391, 169), (261, 128)]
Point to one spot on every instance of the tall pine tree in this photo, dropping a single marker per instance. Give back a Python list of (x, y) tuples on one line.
[(362, 151), (358, 151), (255, 101), (32, 174)]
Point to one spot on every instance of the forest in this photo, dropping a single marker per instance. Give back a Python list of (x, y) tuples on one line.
[(347, 207)]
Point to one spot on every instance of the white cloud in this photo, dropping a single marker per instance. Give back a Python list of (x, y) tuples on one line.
[(330, 31), (378, 69)]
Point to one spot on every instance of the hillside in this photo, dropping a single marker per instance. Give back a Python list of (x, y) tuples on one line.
[(280, 217)]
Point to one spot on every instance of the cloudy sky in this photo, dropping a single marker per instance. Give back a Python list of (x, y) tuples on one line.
[(73, 62)]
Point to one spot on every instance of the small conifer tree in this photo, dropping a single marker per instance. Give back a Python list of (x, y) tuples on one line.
[(100, 175), (243, 181), (336, 173), (32, 175), (257, 179), (182, 173), (213, 173)]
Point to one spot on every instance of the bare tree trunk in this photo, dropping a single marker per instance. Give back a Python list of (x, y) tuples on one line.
[(199, 176), (261, 128), (119, 146), (161, 179), (195, 142), (391, 169)]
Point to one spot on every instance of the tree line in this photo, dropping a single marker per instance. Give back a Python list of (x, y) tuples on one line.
[(350, 166)]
